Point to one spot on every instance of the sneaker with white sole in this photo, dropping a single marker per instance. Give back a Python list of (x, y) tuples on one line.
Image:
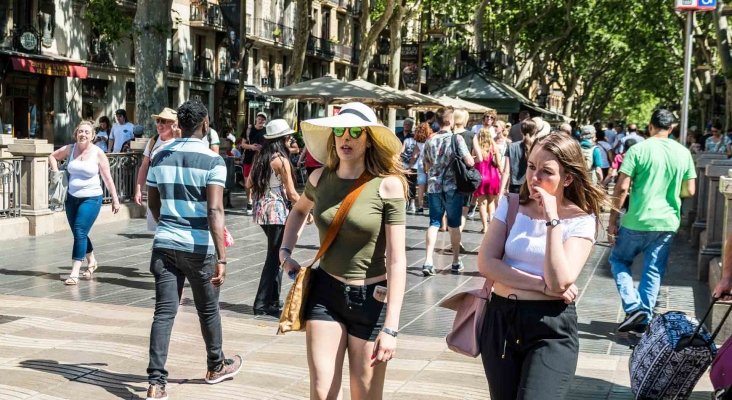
[(457, 267), (428, 270), (227, 369), (156, 392)]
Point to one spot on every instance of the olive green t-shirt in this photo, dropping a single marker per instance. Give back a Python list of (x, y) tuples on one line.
[(359, 249), (657, 169)]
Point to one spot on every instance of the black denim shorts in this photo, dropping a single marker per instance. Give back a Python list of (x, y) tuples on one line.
[(351, 305)]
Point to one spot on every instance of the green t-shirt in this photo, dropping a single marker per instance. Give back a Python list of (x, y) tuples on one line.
[(359, 249), (657, 168)]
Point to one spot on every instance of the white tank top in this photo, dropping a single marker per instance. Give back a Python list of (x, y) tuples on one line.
[(83, 176)]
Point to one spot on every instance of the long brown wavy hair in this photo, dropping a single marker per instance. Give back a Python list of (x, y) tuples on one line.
[(587, 196), (379, 160)]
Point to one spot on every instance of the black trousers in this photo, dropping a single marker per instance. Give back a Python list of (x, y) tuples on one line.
[(529, 348), (412, 184), (268, 293)]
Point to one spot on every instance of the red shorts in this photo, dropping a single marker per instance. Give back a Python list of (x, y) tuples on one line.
[(247, 170)]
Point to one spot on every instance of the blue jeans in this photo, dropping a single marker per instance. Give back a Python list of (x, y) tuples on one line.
[(451, 202), (81, 212), (171, 268), (655, 247)]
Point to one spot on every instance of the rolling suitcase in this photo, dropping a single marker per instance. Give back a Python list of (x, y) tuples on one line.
[(672, 356), (721, 371)]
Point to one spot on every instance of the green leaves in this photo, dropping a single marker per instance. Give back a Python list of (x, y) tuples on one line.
[(108, 19)]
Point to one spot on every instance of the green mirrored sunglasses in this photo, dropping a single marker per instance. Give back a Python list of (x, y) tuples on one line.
[(355, 132)]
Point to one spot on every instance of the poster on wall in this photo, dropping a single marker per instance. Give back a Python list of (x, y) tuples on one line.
[(231, 11), (410, 66)]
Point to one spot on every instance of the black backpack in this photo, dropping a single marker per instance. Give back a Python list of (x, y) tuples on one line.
[(467, 178)]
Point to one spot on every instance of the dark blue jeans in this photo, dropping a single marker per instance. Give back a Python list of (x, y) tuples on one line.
[(171, 268), (81, 212)]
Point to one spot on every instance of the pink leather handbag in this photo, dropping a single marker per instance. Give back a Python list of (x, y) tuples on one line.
[(464, 338)]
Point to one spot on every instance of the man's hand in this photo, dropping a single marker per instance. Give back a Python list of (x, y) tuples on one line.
[(722, 291), (219, 275)]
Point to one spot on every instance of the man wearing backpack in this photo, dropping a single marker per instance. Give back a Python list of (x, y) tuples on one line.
[(591, 153), (442, 194)]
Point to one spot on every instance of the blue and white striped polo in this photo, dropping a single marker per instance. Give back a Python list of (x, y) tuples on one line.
[(181, 173)]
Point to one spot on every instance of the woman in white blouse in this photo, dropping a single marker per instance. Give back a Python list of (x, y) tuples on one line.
[(529, 343)]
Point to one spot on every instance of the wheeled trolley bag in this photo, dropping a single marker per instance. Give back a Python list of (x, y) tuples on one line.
[(672, 356)]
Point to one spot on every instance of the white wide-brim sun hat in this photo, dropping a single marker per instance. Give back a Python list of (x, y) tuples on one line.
[(316, 132)]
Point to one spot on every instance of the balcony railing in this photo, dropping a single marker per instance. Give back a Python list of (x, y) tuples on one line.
[(206, 15), (343, 52), (123, 167), (202, 67), (174, 62), (320, 47), (10, 188), (278, 33), (99, 52)]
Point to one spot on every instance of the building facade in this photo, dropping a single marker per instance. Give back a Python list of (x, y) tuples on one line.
[(55, 71)]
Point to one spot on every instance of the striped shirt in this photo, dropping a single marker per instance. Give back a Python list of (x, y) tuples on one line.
[(181, 172)]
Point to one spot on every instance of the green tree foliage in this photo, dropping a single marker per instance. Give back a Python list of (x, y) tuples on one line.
[(107, 19), (602, 54)]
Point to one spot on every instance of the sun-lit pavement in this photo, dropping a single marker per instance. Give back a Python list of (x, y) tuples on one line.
[(90, 341)]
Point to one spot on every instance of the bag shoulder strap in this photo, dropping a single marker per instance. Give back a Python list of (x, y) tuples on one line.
[(340, 216), (513, 206), (151, 143), (454, 152)]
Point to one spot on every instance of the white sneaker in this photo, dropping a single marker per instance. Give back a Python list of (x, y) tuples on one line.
[(411, 209)]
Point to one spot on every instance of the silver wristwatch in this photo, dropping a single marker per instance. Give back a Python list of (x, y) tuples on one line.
[(390, 332)]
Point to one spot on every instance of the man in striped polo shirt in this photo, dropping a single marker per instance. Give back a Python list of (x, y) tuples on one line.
[(185, 195)]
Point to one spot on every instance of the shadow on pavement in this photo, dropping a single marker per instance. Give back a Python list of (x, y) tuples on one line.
[(122, 386), (137, 235)]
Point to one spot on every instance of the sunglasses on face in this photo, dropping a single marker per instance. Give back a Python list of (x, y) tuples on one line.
[(355, 132), (163, 121)]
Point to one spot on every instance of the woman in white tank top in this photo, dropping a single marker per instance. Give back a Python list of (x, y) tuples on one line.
[(86, 162)]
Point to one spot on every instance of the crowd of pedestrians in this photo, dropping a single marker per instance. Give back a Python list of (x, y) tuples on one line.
[(539, 202)]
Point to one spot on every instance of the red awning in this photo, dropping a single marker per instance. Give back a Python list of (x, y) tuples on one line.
[(43, 67)]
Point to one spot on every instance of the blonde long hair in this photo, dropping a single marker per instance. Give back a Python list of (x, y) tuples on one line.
[(379, 160), (485, 140)]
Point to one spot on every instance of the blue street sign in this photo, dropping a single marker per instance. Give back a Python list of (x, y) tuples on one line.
[(696, 5), (704, 5)]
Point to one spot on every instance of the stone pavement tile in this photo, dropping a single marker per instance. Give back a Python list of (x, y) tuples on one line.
[(11, 392)]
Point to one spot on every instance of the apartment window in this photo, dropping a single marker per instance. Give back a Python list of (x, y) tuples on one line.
[(325, 24), (341, 29)]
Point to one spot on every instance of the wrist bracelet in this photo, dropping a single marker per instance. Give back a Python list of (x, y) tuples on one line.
[(221, 262), (286, 249)]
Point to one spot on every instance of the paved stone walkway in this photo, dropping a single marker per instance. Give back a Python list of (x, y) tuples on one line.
[(90, 341)]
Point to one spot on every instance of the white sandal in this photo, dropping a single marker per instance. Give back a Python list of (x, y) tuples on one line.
[(71, 280)]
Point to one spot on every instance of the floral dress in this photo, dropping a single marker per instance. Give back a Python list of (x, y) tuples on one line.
[(271, 209)]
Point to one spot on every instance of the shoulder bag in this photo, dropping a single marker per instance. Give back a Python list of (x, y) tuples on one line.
[(464, 338), (467, 178), (292, 318)]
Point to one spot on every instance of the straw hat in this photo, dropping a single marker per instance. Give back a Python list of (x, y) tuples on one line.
[(277, 128), (167, 113), (316, 132), (542, 127)]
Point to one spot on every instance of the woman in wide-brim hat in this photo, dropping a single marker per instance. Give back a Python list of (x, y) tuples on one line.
[(167, 130), (347, 307), (272, 186)]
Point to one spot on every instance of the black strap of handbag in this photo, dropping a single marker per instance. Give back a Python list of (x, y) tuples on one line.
[(453, 144)]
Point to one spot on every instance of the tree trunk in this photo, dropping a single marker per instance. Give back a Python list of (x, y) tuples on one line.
[(152, 26), (570, 94), (395, 53), (371, 35), (724, 35), (478, 25), (303, 24)]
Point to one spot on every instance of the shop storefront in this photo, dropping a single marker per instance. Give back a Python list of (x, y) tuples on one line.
[(28, 88)]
